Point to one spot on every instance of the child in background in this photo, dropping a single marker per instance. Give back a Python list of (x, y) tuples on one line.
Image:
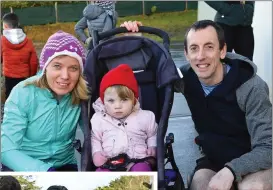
[(119, 125), (18, 54), (98, 15)]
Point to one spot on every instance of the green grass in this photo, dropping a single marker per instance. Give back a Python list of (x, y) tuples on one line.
[(174, 23)]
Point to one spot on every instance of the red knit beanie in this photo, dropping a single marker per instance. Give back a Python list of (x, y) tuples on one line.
[(121, 75)]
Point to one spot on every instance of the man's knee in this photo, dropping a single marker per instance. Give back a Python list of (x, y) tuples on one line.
[(201, 178), (256, 185), (261, 180)]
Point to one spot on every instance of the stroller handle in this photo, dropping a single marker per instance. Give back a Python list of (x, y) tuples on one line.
[(144, 29)]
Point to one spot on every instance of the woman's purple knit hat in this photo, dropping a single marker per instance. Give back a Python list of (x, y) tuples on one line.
[(62, 43)]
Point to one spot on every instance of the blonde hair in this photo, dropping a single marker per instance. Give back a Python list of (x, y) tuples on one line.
[(79, 92), (123, 92)]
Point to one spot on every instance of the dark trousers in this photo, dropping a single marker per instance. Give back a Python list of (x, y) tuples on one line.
[(240, 39), (10, 83)]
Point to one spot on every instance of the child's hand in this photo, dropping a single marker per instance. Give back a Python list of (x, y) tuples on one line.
[(151, 151), (99, 159)]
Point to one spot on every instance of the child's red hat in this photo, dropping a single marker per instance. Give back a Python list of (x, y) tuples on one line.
[(121, 75)]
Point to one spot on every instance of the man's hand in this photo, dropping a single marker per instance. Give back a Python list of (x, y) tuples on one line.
[(151, 151), (222, 180), (131, 25), (99, 159)]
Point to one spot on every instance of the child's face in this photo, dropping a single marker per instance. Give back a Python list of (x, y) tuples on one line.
[(115, 106)]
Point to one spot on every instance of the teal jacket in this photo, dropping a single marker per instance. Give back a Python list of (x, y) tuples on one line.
[(37, 131), (233, 13)]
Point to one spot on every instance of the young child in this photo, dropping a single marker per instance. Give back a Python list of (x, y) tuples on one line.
[(17, 53), (98, 15), (119, 124)]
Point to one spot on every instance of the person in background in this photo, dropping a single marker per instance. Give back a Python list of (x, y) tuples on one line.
[(57, 187), (98, 15), (236, 17), (9, 183), (18, 54)]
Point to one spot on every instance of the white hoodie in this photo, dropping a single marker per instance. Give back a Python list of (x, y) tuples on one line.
[(14, 36)]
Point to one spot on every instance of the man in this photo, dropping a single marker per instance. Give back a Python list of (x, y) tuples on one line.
[(236, 17), (9, 183), (231, 111)]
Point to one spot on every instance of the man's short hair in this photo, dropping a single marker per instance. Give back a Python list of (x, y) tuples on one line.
[(202, 24), (9, 183), (11, 19)]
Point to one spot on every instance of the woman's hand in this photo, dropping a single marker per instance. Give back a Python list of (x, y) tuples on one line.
[(99, 159), (131, 25)]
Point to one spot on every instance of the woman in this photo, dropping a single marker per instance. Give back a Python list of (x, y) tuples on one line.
[(42, 112)]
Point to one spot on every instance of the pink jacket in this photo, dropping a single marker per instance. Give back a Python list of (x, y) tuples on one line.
[(133, 136)]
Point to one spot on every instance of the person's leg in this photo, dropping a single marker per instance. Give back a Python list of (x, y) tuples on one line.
[(201, 179), (68, 168), (8, 86), (10, 83), (102, 170), (244, 43), (261, 180), (6, 169), (202, 174), (229, 36), (141, 167)]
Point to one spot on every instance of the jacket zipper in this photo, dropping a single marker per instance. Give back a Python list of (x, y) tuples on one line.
[(113, 148), (57, 125)]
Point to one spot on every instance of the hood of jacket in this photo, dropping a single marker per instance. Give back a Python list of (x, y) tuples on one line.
[(246, 63), (91, 11), (100, 108), (14, 36), (242, 69)]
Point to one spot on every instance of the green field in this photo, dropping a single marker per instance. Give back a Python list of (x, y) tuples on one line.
[(175, 23)]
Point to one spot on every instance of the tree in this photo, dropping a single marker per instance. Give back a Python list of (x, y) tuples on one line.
[(27, 183), (127, 183)]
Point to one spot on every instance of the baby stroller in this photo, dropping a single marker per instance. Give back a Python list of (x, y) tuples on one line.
[(155, 72)]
